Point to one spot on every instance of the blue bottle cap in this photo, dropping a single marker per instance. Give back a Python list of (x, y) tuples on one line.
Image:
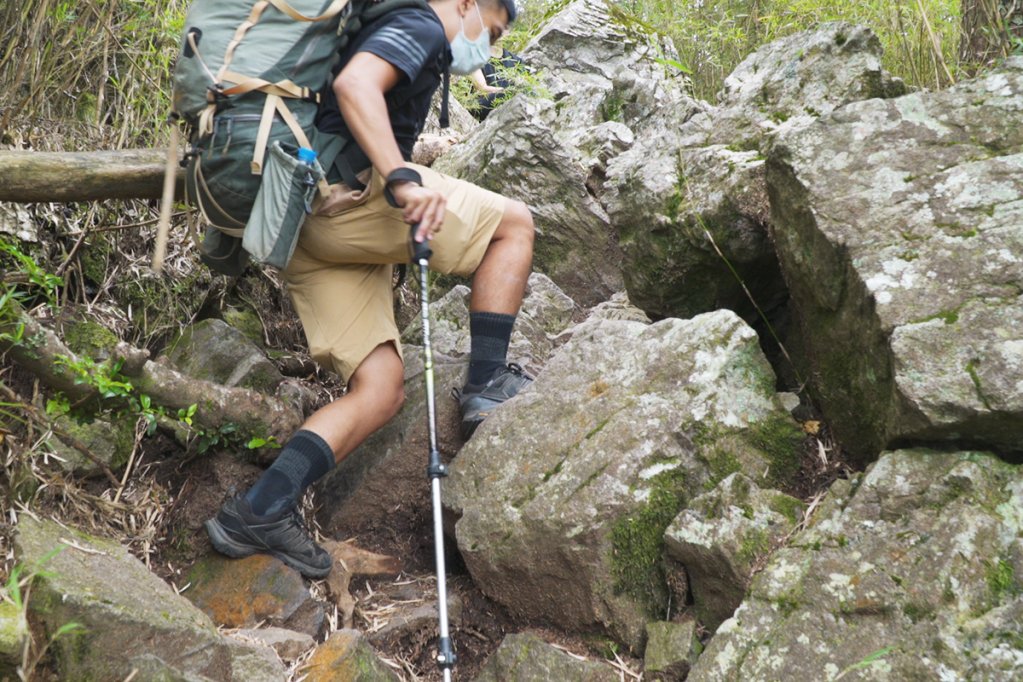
[(306, 155)]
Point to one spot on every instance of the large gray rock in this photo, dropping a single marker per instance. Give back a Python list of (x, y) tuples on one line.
[(564, 493), (213, 350), (913, 571), (678, 198), (899, 227), (129, 618), (721, 538), (551, 149), (525, 658)]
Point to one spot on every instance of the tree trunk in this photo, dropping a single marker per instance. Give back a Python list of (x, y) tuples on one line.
[(988, 29), (41, 351), (83, 176)]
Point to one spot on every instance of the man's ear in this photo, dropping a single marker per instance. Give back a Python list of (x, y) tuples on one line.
[(464, 7)]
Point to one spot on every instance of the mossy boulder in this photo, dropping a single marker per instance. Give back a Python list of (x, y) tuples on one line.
[(565, 492), (110, 442), (722, 536), (524, 657), (898, 229), (215, 351), (127, 617), (911, 571)]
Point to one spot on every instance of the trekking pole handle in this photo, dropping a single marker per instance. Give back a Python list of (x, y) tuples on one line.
[(420, 251)]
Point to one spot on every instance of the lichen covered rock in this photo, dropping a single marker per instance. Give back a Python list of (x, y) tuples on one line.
[(128, 618), (722, 536), (564, 493), (913, 570), (899, 226)]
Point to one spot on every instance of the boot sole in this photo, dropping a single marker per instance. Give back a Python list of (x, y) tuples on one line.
[(223, 543)]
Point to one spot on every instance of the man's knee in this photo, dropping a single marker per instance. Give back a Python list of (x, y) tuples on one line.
[(381, 378), (517, 224)]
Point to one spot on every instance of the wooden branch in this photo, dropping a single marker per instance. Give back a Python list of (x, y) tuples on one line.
[(217, 405), (27, 177)]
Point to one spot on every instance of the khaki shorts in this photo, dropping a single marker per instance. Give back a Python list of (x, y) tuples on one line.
[(340, 277)]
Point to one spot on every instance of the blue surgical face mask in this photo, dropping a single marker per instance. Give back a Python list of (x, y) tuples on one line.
[(469, 55)]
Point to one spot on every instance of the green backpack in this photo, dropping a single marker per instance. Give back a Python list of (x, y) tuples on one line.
[(246, 83)]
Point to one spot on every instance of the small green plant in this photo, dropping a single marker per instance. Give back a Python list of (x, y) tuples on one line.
[(38, 279)]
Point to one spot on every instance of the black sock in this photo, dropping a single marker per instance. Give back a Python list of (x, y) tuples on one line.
[(490, 333), (304, 460)]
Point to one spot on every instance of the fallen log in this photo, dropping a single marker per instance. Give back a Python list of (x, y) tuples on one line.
[(27, 176), (43, 353)]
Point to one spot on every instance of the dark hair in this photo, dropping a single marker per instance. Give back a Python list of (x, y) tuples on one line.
[(509, 6)]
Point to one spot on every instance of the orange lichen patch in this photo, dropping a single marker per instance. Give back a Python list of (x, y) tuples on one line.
[(243, 592)]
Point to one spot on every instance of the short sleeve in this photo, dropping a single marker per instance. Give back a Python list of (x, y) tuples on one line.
[(409, 40)]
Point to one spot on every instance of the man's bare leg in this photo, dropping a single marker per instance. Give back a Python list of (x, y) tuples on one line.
[(376, 391)]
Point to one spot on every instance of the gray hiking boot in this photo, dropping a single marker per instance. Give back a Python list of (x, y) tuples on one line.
[(237, 532), (477, 402)]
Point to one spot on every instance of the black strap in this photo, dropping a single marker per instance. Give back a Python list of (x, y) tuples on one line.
[(401, 174), (444, 121), (348, 175)]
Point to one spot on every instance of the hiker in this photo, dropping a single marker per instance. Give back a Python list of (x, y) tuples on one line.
[(492, 80), (340, 277)]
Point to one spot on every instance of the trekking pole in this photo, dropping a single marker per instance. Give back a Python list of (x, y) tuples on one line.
[(436, 470)]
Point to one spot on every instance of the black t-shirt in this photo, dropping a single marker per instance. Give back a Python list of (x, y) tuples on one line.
[(413, 41)]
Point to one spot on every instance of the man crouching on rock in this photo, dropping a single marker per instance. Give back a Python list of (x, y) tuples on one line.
[(340, 277)]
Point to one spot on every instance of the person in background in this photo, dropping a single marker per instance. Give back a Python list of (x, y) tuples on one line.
[(492, 79)]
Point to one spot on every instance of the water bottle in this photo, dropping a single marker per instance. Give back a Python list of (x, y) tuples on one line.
[(307, 159)]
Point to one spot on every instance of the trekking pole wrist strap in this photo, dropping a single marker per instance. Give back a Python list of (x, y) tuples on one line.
[(402, 174)]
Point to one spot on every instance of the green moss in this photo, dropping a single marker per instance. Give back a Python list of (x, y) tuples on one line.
[(597, 429), (89, 338), (789, 507), (787, 605), (971, 369), (637, 542), (1001, 579), (247, 322), (917, 612), (553, 472), (613, 107), (756, 543), (946, 316), (780, 438), (722, 464)]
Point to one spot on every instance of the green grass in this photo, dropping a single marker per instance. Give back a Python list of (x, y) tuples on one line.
[(714, 36)]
